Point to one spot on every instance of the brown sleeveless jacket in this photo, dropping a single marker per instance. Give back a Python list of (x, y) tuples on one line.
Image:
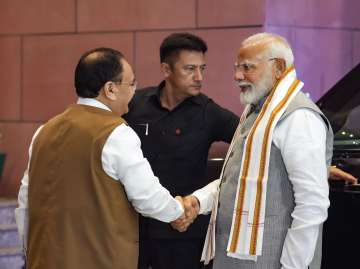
[(79, 217)]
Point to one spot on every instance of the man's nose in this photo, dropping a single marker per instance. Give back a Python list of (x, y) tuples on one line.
[(198, 75), (238, 75)]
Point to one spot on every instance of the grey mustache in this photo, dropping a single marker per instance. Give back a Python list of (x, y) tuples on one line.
[(242, 84)]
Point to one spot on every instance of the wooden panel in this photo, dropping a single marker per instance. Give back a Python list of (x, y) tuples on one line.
[(37, 16), (49, 64), (130, 14)]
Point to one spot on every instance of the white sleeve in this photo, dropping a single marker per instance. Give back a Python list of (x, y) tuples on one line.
[(301, 137), (21, 212), (207, 195), (123, 160)]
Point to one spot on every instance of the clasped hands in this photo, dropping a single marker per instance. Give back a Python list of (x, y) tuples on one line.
[(191, 210)]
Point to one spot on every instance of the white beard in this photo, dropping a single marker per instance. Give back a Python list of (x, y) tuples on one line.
[(256, 91)]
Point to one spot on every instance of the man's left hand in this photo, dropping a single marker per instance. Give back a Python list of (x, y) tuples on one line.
[(338, 174)]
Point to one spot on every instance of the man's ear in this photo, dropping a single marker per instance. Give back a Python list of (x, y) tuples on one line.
[(110, 90), (280, 66), (165, 69)]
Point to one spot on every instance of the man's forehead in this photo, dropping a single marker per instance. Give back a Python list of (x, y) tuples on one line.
[(191, 56), (250, 52), (128, 71)]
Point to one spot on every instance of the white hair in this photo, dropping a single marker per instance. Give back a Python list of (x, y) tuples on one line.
[(275, 46)]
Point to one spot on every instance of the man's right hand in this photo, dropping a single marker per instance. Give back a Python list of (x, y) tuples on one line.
[(191, 208)]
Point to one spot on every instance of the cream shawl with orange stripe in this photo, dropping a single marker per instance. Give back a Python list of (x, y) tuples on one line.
[(245, 239)]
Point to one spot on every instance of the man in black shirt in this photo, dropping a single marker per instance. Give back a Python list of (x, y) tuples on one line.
[(177, 125)]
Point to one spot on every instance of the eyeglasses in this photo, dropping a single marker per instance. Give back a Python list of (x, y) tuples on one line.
[(132, 84), (249, 68)]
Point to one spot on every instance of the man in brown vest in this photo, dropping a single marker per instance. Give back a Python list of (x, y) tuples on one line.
[(87, 177)]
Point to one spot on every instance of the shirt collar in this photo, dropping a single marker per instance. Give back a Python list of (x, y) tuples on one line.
[(92, 102), (259, 105), (156, 92)]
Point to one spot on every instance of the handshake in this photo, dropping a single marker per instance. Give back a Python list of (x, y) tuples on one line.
[(191, 210)]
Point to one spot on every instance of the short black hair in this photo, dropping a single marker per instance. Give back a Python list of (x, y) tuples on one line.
[(177, 42), (95, 68)]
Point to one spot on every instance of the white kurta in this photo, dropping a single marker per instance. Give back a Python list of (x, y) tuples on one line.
[(301, 138)]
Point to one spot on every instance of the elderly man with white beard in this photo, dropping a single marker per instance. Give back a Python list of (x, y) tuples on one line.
[(272, 196)]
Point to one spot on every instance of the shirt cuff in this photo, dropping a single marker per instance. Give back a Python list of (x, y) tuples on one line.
[(203, 202), (179, 208), (207, 196)]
